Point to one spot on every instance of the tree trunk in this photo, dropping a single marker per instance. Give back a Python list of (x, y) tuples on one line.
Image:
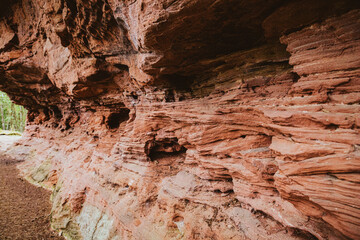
[(2, 116)]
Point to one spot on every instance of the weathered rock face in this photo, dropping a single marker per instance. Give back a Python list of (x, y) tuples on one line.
[(189, 119)]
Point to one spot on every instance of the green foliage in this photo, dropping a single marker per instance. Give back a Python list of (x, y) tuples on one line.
[(9, 133), (12, 116)]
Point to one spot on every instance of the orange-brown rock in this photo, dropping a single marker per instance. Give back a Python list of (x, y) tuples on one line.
[(189, 119)]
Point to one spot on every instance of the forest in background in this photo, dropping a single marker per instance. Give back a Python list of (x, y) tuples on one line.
[(12, 116)]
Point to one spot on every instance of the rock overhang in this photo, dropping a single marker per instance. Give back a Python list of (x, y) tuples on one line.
[(173, 109)]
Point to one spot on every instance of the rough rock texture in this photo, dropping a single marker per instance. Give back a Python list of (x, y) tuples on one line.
[(189, 119)]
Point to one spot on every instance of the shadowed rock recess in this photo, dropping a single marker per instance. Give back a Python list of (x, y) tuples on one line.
[(189, 119)]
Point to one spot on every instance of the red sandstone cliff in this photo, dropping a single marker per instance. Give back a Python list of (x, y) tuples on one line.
[(189, 119)]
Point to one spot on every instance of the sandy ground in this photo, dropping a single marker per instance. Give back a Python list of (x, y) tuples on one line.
[(24, 208), (6, 141)]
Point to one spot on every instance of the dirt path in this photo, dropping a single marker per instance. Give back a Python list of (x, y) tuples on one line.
[(24, 208)]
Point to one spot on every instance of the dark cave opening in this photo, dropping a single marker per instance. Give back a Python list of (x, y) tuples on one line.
[(168, 147)]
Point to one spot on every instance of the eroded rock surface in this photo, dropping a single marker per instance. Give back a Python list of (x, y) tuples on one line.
[(189, 119)]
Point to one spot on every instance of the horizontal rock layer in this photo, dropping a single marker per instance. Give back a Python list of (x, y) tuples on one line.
[(189, 119)]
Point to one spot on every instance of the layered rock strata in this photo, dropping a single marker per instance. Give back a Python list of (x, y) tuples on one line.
[(189, 119)]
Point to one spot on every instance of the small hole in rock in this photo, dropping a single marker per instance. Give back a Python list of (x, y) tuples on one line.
[(178, 219), (332, 126), (134, 95), (166, 148), (122, 67), (169, 96), (115, 119)]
